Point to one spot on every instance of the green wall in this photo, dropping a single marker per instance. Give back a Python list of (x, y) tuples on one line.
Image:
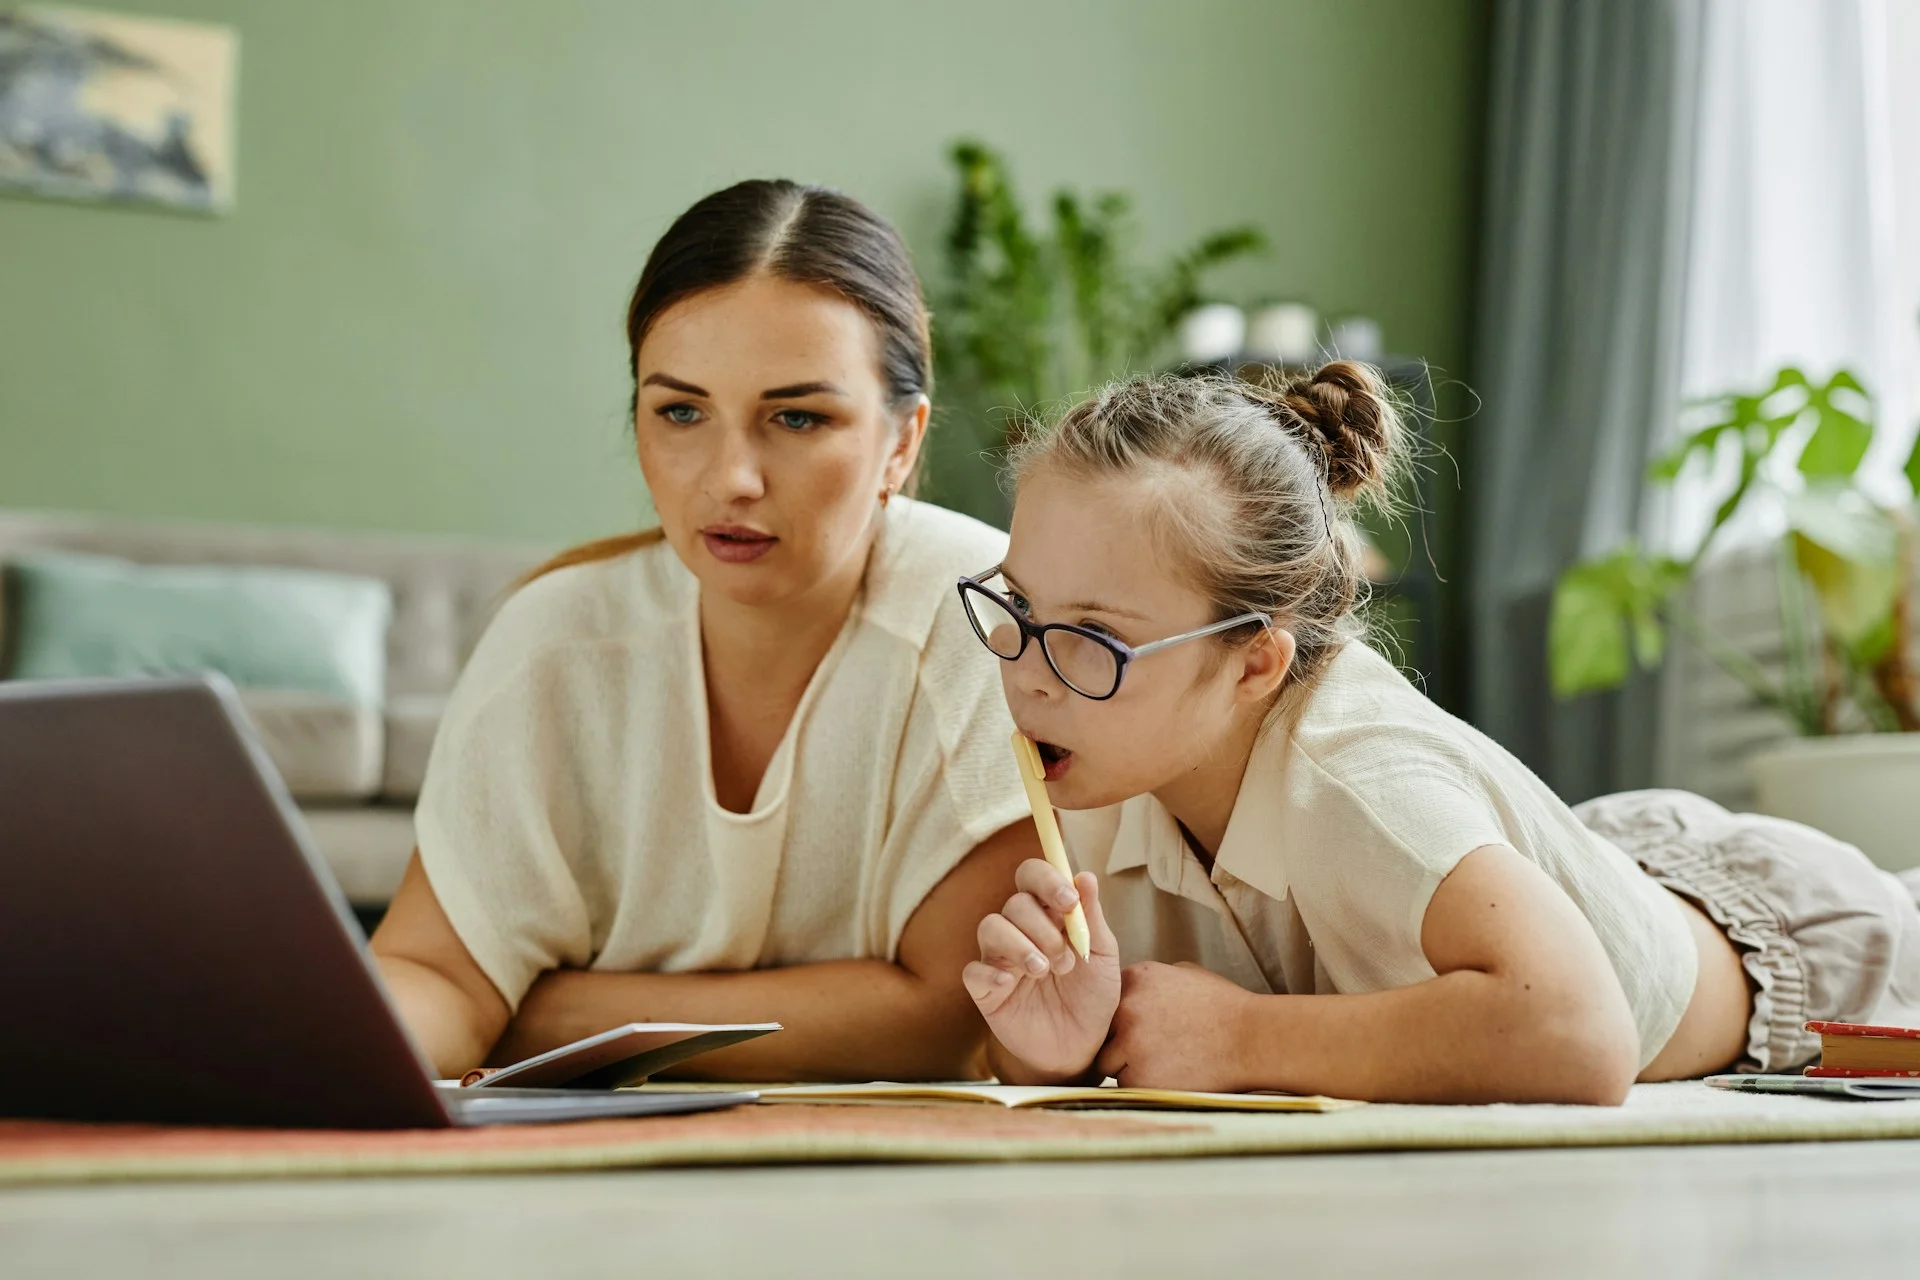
[(411, 320)]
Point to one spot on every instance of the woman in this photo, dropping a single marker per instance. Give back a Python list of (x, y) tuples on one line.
[(750, 765)]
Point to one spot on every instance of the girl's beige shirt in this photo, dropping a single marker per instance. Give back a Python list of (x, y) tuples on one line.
[(568, 817), (1356, 803)]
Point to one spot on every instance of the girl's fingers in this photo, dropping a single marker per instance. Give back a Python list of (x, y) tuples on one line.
[(1004, 947), (986, 984), (1037, 877), (1033, 920), (1100, 938)]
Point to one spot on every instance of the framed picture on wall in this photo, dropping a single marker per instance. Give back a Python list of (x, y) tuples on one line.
[(112, 107)]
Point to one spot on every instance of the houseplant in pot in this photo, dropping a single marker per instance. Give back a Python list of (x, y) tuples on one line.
[(1848, 688), (1028, 314)]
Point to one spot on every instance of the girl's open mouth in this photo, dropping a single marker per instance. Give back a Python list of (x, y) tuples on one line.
[(1055, 760), (736, 544)]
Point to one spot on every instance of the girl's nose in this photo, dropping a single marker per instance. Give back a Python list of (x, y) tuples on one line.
[(1033, 677)]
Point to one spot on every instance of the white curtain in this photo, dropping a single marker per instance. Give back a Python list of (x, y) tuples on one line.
[(1804, 216), (1903, 95), (1793, 256)]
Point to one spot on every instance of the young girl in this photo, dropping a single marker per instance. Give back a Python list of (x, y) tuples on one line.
[(1364, 896)]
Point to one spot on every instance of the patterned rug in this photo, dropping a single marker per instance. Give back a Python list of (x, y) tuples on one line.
[(33, 1151)]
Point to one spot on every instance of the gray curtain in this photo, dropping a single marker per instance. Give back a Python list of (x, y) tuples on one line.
[(1591, 117)]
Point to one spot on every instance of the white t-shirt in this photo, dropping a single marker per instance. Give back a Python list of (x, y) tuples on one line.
[(1357, 801), (568, 817)]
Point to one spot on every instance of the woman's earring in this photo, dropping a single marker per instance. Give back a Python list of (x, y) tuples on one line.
[(886, 495)]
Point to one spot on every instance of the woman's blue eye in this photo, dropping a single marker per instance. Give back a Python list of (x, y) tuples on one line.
[(1021, 603), (797, 419), (684, 415)]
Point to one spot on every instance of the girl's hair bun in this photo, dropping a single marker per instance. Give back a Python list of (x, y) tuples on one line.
[(1345, 414)]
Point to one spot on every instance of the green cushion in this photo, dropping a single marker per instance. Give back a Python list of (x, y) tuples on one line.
[(263, 628)]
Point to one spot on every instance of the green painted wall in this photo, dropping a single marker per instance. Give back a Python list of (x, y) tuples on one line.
[(411, 320)]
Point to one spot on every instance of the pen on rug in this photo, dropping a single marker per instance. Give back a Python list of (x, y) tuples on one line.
[(1035, 778)]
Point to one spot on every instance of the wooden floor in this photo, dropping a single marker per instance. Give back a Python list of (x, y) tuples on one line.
[(1808, 1210)]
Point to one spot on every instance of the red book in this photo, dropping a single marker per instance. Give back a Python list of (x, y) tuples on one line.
[(1862, 1029), (1857, 1049), (1852, 1073)]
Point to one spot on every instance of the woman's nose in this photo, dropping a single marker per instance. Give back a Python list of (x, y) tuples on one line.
[(735, 473)]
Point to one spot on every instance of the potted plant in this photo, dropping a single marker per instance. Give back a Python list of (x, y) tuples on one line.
[(1027, 317), (1848, 687)]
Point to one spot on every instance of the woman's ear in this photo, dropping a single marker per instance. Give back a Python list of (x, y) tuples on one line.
[(1264, 664), (906, 448)]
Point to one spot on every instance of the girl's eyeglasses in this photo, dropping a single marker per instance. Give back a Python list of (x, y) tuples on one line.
[(1087, 661)]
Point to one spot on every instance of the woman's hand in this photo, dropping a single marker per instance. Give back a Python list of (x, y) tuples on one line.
[(1045, 1005), (1178, 1027)]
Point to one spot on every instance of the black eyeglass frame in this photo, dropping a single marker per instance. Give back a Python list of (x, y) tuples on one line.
[(1123, 653)]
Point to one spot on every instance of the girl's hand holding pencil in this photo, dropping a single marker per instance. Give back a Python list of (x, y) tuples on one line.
[(1048, 977), (1045, 1005)]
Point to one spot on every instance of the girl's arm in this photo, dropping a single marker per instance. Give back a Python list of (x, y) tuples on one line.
[(1525, 1008), (844, 1019)]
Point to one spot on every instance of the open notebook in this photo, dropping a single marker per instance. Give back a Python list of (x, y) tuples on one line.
[(1104, 1098)]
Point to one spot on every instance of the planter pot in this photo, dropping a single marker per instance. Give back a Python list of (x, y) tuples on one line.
[(1862, 788)]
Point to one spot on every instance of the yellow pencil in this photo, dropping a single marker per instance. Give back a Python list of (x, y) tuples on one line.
[(1035, 778)]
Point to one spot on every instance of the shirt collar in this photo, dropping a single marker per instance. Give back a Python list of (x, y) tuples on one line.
[(1252, 850), (1127, 851), (1148, 836)]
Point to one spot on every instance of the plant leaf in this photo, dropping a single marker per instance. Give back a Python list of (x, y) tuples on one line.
[(1872, 644), (1586, 635), (1706, 441), (1856, 598), (1841, 437), (1837, 446), (1599, 608), (1848, 550), (1839, 518)]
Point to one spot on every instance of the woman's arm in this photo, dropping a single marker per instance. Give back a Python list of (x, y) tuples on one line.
[(844, 1019), (1525, 1008), (445, 1000)]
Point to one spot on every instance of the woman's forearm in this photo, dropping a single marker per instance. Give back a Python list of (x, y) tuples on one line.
[(843, 1019), (1467, 1036)]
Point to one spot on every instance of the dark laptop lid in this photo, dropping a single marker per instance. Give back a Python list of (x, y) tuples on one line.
[(174, 949)]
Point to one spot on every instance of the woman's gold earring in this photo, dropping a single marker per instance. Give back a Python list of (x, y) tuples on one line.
[(886, 495)]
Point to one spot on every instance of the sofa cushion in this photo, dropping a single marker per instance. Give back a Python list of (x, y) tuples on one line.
[(263, 628), (444, 589), (324, 748), (411, 724), (366, 847)]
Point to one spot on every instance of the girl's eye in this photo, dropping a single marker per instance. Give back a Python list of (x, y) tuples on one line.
[(1021, 603), (797, 419), (684, 415)]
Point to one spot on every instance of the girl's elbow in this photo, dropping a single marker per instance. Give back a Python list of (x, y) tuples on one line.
[(1596, 1059)]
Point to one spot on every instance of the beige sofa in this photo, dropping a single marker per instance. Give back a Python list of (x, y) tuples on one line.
[(355, 771)]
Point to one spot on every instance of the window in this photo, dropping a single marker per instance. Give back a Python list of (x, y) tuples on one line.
[(1804, 241)]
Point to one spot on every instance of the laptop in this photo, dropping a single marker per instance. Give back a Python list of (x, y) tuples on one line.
[(176, 951)]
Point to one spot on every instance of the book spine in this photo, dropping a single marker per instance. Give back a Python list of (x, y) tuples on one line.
[(1863, 1029), (1857, 1073)]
